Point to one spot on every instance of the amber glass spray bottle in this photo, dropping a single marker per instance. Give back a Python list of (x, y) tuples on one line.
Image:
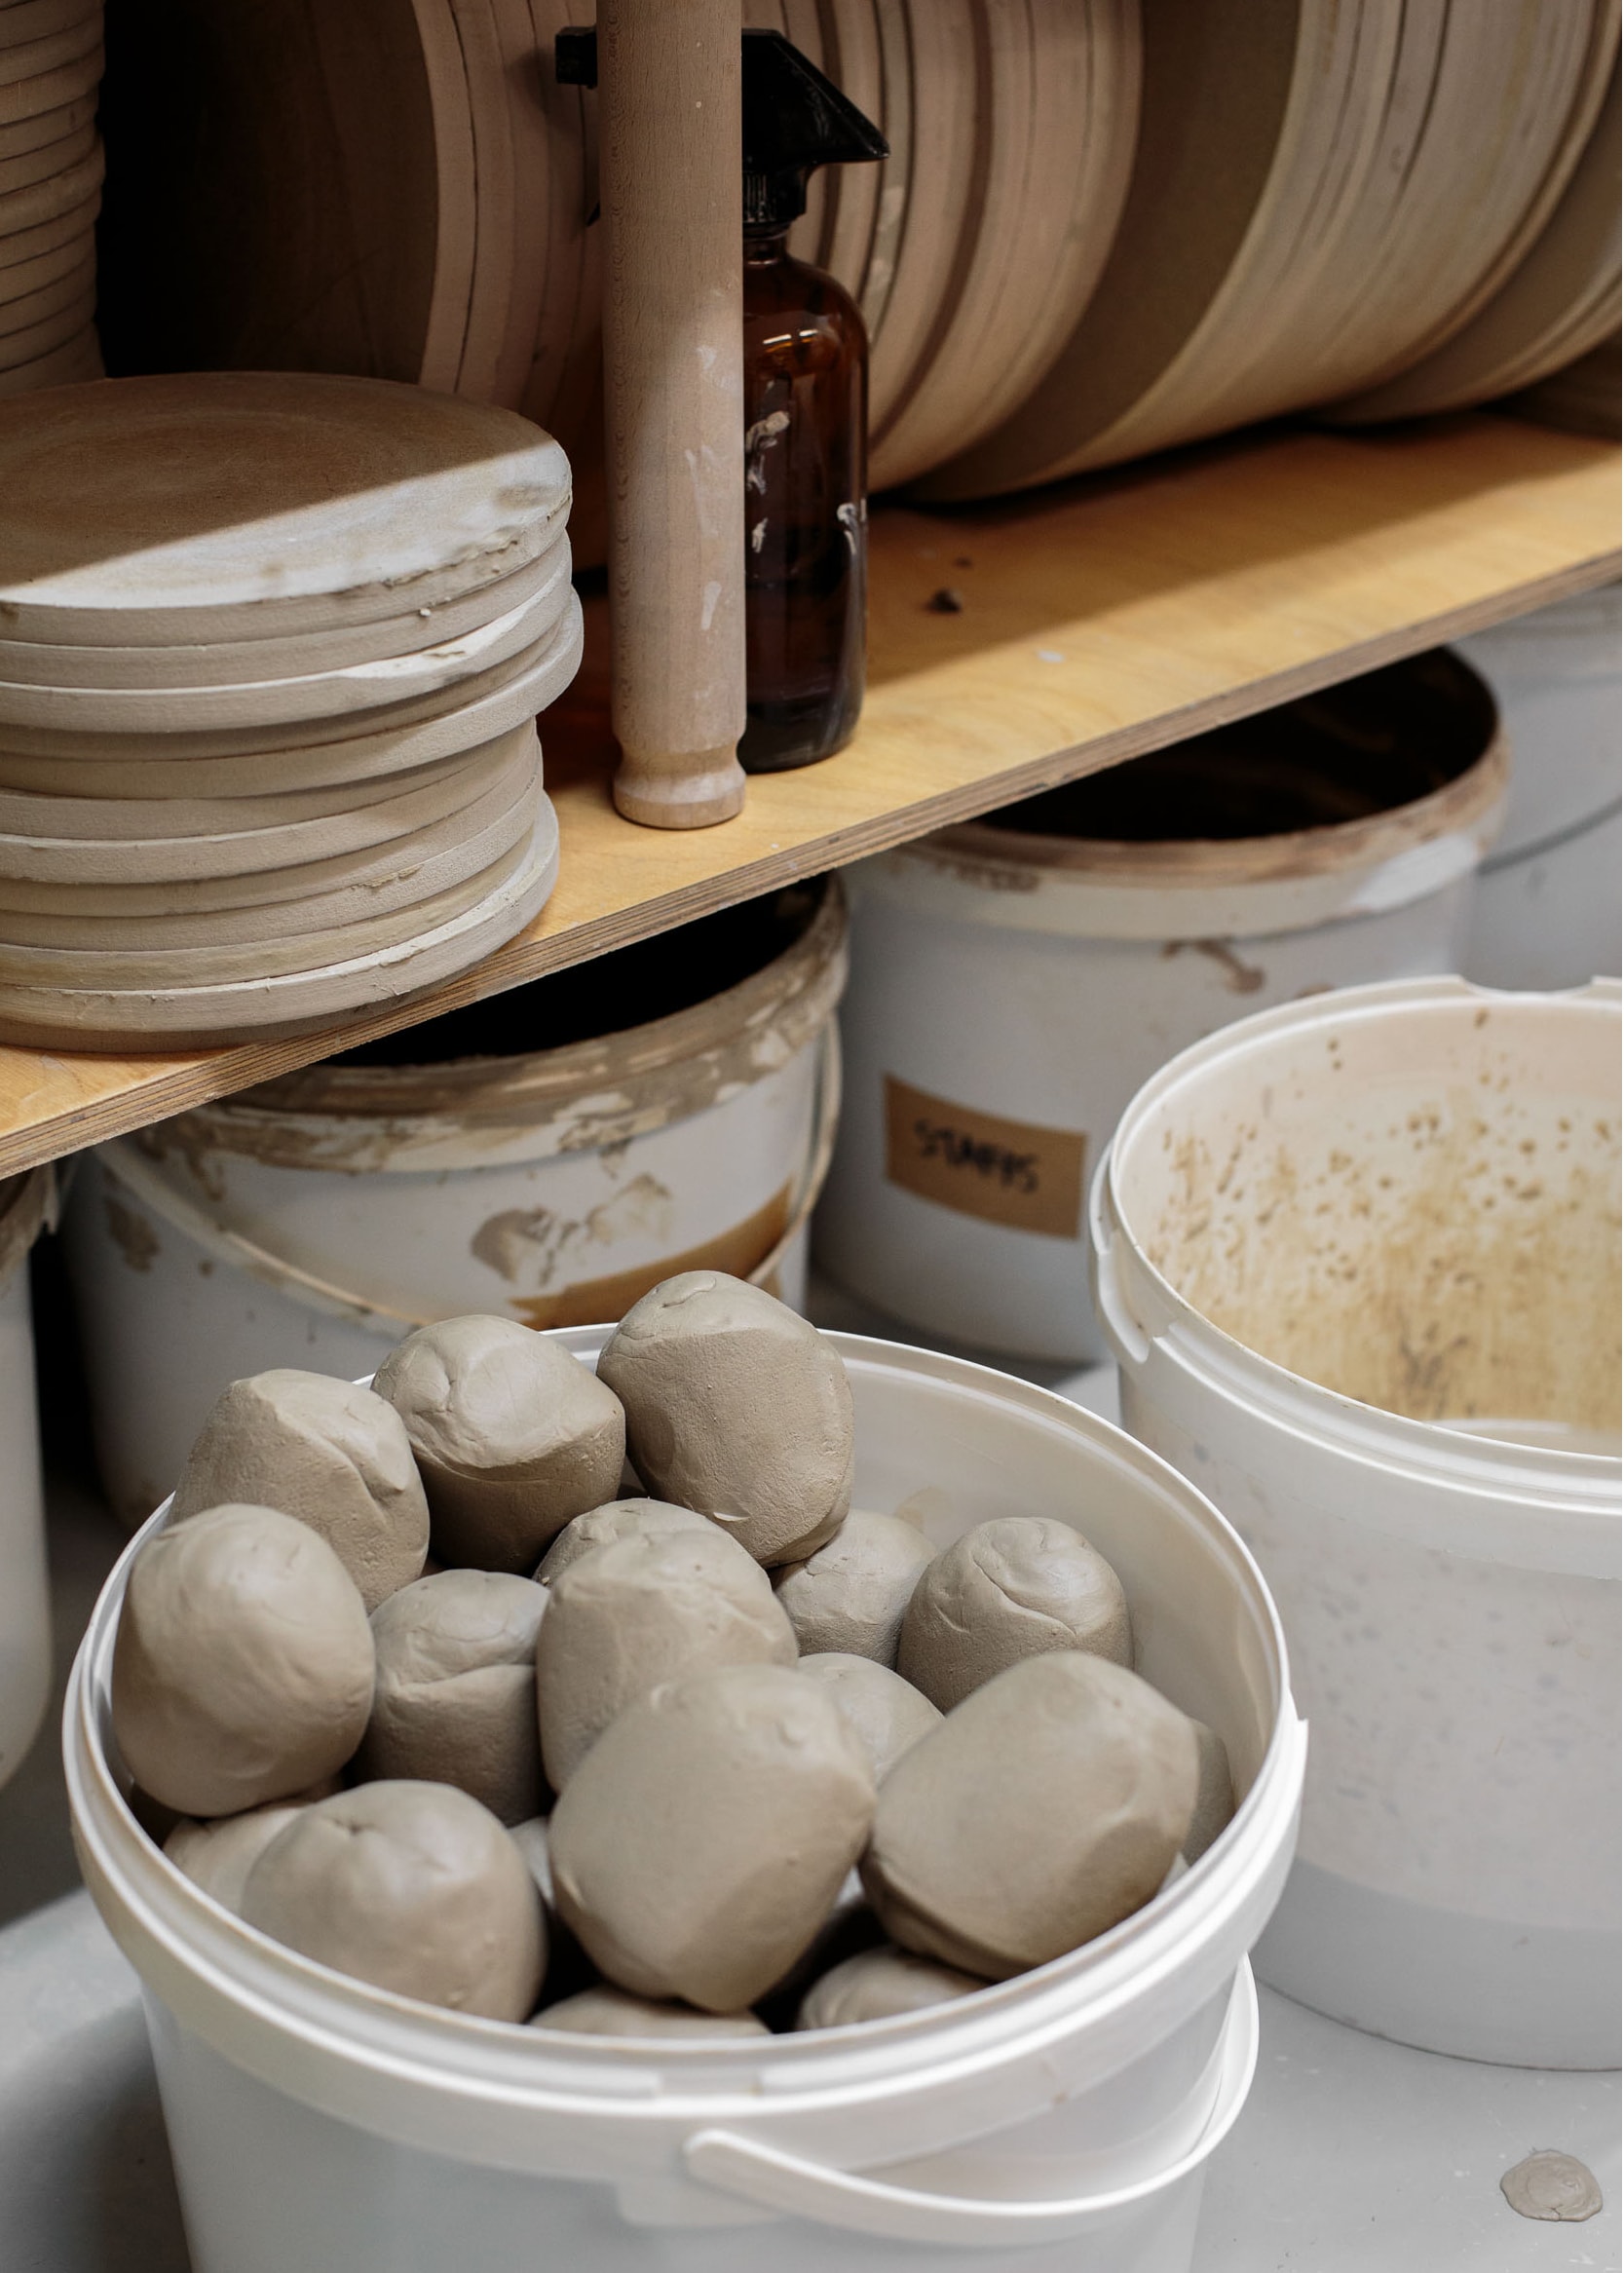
[(805, 426)]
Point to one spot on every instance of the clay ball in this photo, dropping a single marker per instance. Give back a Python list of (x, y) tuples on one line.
[(514, 1436), (886, 1713), (1215, 1793), (877, 1985), (218, 1856), (1045, 1807), (737, 1407), (645, 1609), (414, 1887), (455, 1699), (851, 1595), (243, 1667), (703, 1839), (611, 2012), (335, 1456), (1007, 1590), (601, 1526)]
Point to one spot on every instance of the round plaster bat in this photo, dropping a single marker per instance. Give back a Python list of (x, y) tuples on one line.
[(645, 1609), (243, 1668), (887, 1713), (218, 1856), (877, 1985), (622, 1519), (1045, 1807), (736, 1406), (611, 2012), (514, 1436), (455, 1699), (1007, 1590), (1215, 1793), (335, 1456), (851, 1595), (701, 1845), (414, 1887)]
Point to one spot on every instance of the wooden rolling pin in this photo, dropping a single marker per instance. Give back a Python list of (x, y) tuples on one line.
[(669, 78)]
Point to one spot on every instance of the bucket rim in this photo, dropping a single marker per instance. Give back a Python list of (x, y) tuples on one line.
[(207, 1951), (1584, 1486)]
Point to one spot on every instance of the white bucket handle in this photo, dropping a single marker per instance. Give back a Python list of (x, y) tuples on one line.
[(128, 1166), (772, 2179)]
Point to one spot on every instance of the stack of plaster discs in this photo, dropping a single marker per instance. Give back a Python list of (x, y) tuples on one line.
[(271, 649), (50, 191)]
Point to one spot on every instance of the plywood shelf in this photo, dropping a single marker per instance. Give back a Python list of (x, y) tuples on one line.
[(1104, 618)]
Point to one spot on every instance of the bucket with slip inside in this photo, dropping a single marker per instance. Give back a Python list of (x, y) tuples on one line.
[(1015, 979), (1358, 1260), (548, 1156), (1059, 2122)]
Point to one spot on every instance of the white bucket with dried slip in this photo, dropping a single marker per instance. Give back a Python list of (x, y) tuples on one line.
[(464, 1167)]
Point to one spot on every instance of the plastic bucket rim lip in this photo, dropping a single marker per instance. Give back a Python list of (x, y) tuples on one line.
[(1174, 1936), (1277, 1394), (812, 958)]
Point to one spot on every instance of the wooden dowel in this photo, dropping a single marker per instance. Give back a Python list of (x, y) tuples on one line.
[(668, 79)]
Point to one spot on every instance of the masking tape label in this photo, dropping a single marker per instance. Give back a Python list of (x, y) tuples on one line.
[(1012, 1172)]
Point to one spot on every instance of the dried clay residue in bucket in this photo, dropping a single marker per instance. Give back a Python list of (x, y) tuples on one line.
[(1442, 1248)]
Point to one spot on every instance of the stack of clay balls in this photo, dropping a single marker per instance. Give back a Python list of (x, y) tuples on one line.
[(50, 192), (721, 1758), (272, 648)]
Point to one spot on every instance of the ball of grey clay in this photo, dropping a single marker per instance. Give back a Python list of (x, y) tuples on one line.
[(645, 1609), (1047, 1807), (601, 1526), (611, 2012), (414, 1887), (218, 1856), (320, 1448), (736, 1406), (886, 1713), (877, 1985), (1215, 1793), (243, 1666), (455, 1697), (512, 1435), (702, 1843), (1007, 1590), (851, 1595)]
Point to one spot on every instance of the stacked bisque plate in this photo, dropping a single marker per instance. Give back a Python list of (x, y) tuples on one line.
[(50, 191), (271, 649)]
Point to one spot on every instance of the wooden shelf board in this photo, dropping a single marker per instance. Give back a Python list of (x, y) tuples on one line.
[(1108, 617)]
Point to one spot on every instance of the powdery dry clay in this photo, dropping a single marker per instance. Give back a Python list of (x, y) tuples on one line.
[(333, 1456), (611, 2012), (414, 1887), (622, 1519), (879, 1985), (885, 1713), (243, 1667), (513, 1436), (1047, 1807), (1004, 1591), (1554, 2187), (639, 1612), (703, 1841), (455, 1698), (851, 1595), (736, 1406)]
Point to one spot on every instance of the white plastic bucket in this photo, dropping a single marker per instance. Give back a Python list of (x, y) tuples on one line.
[(312, 1222), (1061, 2120), (1547, 909), (27, 1203), (1014, 981), (1406, 1196)]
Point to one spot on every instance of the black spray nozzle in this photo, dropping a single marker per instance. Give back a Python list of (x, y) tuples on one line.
[(794, 119)]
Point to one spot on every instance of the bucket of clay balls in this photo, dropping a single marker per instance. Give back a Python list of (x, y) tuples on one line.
[(924, 1620)]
